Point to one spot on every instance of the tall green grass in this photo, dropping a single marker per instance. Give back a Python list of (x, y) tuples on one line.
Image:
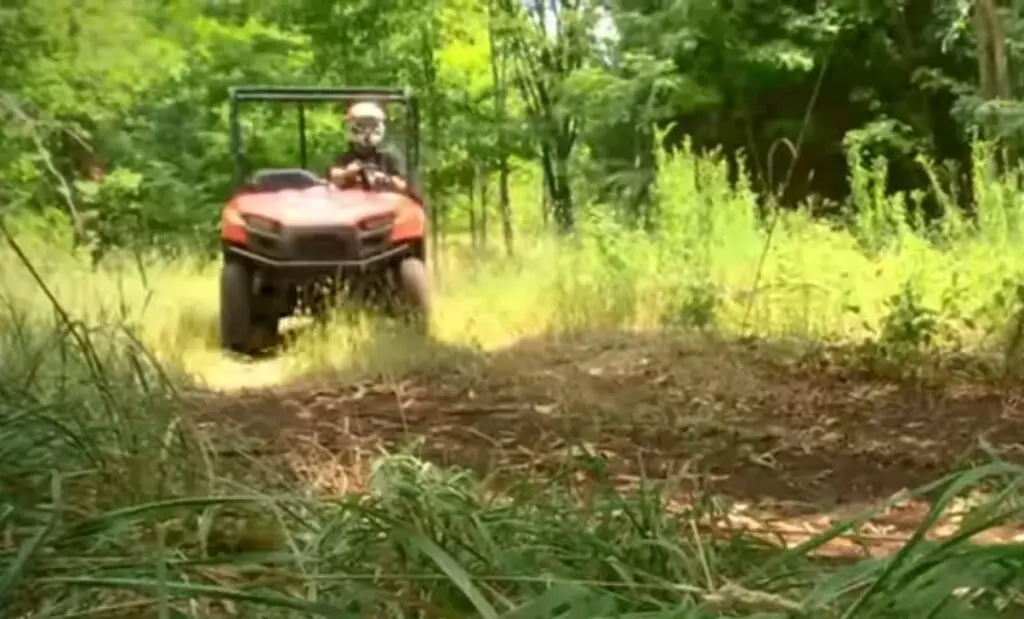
[(712, 263), (113, 503)]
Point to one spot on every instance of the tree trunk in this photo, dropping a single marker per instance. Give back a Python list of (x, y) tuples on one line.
[(1000, 78), (555, 164), (485, 181), (505, 207), (435, 214), (990, 36), (473, 236), (499, 68)]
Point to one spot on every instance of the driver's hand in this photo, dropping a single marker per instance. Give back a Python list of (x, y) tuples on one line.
[(377, 178), (345, 173)]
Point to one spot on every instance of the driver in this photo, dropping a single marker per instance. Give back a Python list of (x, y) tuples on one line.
[(365, 123)]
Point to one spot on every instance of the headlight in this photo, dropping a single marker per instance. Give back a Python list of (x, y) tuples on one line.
[(378, 222), (262, 224)]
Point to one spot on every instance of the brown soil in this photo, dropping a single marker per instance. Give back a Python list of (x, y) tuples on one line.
[(785, 438)]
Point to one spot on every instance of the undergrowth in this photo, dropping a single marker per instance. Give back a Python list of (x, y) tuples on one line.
[(883, 282), (113, 503)]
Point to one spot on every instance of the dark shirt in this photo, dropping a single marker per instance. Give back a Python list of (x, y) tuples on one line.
[(387, 159)]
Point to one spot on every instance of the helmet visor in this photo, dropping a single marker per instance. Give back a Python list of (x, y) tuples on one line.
[(364, 130)]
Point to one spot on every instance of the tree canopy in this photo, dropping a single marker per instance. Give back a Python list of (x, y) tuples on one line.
[(115, 112)]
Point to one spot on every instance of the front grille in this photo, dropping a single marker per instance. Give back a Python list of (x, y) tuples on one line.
[(373, 243), (322, 245), (264, 245)]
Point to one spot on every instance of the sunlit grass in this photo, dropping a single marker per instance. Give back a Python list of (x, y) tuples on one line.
[(713, 264)]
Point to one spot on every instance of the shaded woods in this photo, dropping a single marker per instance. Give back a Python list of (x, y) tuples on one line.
[(114, 112)]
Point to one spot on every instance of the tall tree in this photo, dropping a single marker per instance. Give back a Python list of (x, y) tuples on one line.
[(499, 75), (547, 42)]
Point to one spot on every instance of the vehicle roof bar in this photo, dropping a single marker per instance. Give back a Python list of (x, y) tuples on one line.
[(298, 94), (313, 94)]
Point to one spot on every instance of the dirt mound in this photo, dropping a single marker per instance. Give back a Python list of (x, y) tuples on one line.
[(798, 446), (755, 426)]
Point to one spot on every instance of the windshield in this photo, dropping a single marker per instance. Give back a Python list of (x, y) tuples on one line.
[(271, 135)]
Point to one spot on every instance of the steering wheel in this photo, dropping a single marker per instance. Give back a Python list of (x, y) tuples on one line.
[(373, 177)]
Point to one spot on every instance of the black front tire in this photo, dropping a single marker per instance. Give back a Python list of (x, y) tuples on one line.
[(244, 327), (415, 288)]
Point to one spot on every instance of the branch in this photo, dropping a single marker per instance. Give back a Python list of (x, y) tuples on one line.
[(8, 102)]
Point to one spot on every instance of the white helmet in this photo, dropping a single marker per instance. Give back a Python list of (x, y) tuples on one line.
[(365, 122)]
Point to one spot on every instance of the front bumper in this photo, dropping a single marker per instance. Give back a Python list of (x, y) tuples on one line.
[(297, 268), (298, 253)]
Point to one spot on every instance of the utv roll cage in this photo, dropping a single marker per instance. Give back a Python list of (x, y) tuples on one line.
[(302, 97)]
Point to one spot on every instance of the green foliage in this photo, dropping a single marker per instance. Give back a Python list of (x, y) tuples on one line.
[(576, 92), (182, 531), (649, 129)]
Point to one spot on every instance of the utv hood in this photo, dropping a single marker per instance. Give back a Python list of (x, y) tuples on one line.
[(318, 206)]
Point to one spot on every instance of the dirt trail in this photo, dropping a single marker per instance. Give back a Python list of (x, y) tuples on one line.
[(759, 429)]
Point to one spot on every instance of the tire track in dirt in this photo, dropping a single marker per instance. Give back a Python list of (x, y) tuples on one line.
[(740, 420)]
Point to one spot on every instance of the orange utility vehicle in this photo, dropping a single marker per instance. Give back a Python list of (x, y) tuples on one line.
[(292, 239)]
